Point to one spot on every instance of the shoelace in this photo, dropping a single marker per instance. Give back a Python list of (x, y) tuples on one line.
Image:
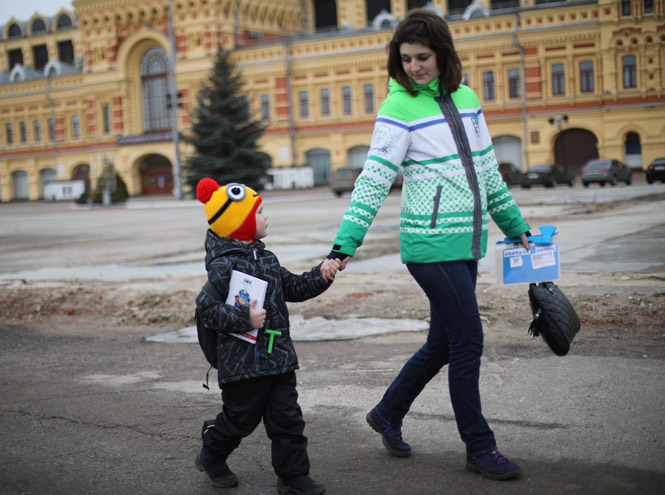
[(498, 457)]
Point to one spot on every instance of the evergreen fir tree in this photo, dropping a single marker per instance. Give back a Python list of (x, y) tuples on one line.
[(224, 134)]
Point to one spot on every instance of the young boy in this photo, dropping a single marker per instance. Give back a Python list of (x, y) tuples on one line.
[(257, 379)]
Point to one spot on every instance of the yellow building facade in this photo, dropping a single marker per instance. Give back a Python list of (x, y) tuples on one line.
[(561, 82)]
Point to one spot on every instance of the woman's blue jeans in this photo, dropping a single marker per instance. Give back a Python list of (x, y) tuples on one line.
[(455, 338)]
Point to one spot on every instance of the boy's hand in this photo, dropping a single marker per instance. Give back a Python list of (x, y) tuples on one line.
[(257, 317), (329, 268)]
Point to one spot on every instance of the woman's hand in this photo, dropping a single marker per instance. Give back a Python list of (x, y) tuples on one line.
[(525, 241)]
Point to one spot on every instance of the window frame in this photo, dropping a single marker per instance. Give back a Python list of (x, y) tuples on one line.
[(9, 134), (303, 103), (37, 130), (587, 77), (23, 132), (106, 119), (347, 100), (514, 83), (489, 87), (51, 129), (368, 93), (76, 126), (558, 79), (265, 106), (629, 71), (324, 95)]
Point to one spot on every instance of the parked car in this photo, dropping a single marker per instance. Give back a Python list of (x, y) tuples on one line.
[(656, 171), (548, 175), (510, 173), (343, 180), (606, 171)]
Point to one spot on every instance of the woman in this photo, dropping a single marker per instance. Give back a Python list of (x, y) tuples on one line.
[(433, 128)]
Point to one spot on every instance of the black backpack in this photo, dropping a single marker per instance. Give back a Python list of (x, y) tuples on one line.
[(208, 335), (554, 317)]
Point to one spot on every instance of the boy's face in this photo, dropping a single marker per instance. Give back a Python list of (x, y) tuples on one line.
[(261, 224)]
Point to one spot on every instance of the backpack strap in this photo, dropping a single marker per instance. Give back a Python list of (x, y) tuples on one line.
[(211, 291)]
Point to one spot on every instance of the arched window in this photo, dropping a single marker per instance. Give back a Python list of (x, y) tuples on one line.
[(154, 86), (64, 22), (14, 31), (38, 26)]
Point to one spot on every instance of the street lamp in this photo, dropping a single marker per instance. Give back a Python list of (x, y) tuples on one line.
[(558, 121), (177, 183)]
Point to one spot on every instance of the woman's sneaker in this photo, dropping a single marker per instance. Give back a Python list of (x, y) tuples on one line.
[(493, 465), (391, 435), (300, 485), (219, 475)]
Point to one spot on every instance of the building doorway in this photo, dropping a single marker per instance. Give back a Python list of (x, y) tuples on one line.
[(573, 148), (47, 175), (20, 189), (508, 149), (357, 156), (156, 176), (633, 150), (82, 172), (319, 160)]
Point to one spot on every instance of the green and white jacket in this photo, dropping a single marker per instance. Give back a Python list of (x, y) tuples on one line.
[(451, 178)]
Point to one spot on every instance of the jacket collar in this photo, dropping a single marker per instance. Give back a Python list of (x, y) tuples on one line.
[(431, 89)]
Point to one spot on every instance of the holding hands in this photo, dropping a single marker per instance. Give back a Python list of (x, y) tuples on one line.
[(329, 268)]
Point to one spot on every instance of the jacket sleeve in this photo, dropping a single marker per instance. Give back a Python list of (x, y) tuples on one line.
[(500, 202), (216, 313), (387, 150), (298, 288)]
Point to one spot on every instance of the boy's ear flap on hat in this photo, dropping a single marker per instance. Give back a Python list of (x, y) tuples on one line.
[(205, 189)]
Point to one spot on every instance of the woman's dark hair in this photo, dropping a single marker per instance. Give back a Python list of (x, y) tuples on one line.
[(427, 28)]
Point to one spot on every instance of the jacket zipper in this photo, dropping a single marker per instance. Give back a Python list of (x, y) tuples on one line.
[(455, 122), (437, 201)]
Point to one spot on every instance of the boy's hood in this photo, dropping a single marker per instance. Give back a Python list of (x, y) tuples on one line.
[(217, 246)]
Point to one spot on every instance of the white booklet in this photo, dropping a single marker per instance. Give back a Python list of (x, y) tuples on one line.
[(242, 289)]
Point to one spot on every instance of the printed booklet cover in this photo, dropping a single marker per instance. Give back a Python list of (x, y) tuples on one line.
[(242, 289)]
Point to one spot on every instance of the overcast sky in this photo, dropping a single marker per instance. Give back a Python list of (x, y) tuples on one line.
[(23, 9)]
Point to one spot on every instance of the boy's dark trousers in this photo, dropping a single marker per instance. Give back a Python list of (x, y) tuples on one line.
[(273, 398)]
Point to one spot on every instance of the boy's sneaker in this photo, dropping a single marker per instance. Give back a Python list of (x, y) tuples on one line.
[(391, 435), (219, 475), (300, 485), (493, 465)]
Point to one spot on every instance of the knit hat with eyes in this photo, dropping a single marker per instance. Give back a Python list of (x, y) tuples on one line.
[(230, 209)]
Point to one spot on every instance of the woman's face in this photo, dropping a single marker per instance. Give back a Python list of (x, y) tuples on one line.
[(419, 63)]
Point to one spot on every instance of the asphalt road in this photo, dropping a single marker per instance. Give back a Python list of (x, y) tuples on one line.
[(99, 410)]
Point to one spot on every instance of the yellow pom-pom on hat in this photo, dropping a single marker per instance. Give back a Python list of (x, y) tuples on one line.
[(230, 209)]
